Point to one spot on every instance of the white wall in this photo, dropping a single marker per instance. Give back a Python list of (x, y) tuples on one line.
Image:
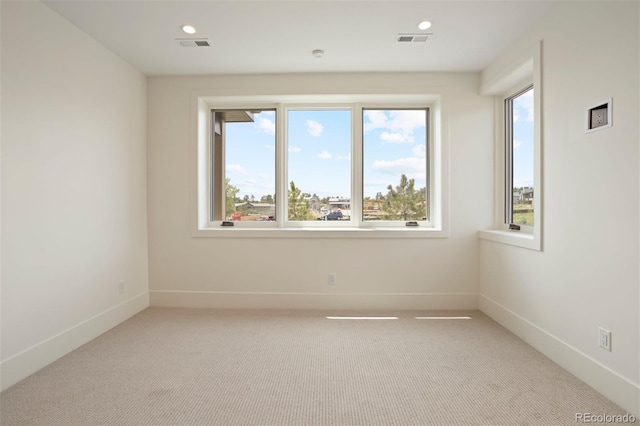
[(372, 273), (73, 189), (587, 275)]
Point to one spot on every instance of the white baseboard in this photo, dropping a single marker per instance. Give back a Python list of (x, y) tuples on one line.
[(617, 388), (334, 301), (27, 362)]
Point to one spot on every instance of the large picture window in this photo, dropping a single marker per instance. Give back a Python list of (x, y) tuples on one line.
[(335, 166)]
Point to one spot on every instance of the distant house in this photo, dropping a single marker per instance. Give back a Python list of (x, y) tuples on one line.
[(516, 197), (523, 196), (261, 208), (339, 204)]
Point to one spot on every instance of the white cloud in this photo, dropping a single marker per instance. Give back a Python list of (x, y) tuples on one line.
[(250, 181), (399, 125), (324, 155), (295, 149), (516, 144), (377, 183), (270, 147), (374, 119), (236, 168), (419, 151), (523, 107), (396, 137), (266, 125), (411, 166), (344, 157), (314, 128), (408, 120), (396, 120)]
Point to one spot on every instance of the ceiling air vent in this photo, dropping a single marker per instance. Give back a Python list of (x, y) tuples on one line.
[(413, 38), (193, 42)]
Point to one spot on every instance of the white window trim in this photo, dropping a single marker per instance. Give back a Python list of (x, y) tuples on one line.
[(201, 105), (432, 176), (507, 184), (525, 72)]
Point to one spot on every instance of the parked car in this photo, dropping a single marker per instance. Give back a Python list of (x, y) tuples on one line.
[(332, 216)]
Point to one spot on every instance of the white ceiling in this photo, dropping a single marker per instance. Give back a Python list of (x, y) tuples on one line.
[(269, 36)]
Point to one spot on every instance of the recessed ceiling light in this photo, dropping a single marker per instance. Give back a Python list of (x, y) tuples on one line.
[(424, 25), (318, 53), (188, 29)]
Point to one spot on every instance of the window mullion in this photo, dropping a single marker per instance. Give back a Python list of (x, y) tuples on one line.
[(357, 190), (281, 165)]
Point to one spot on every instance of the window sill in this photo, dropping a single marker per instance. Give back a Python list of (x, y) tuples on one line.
[(513, 238), (320, 233)]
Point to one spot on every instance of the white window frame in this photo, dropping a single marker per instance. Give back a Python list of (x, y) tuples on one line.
[(203, 101), (210, 166), (430, 177), (507, 145), (524, 73)]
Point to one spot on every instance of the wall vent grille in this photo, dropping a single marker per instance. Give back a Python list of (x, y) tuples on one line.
[(193, 42), (413, 38)]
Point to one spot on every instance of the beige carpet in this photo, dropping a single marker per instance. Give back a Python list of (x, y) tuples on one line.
[(223, 367)]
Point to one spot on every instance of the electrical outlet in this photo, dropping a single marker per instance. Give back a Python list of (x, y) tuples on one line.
[(332, 278), (121, 287), (598, 117), (604, 339)]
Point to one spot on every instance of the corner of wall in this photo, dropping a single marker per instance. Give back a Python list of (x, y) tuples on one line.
[(29, 361), (610, 384)]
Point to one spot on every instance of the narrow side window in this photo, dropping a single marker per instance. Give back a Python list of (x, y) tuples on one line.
[(519, 158)]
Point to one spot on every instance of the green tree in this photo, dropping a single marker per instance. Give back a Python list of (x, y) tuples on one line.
[(404, 202), (231, 192), (298, 206)]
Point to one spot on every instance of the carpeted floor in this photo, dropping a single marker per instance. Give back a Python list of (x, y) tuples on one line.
[(229, 367)]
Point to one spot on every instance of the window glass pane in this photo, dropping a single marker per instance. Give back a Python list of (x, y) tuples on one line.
[(319, 164), (246, 140), (522, 158), (395, 164)]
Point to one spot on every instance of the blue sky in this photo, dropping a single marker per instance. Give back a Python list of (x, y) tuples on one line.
[(523, 140), (319, 151)]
